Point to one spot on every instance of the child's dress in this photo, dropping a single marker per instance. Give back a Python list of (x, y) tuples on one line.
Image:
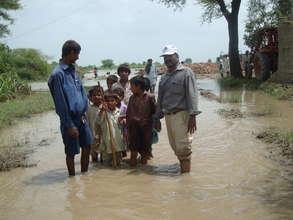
[(123, 110), (106, 144), (139, 122)]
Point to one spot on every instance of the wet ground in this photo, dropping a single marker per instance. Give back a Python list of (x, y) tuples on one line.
[(234, 175)]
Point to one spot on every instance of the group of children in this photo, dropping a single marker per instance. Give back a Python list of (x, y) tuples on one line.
[(118, 128)]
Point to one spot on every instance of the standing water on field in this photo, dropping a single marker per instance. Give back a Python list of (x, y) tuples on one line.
[(233, 174)]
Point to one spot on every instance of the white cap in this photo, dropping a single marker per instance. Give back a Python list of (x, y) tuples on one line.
[(169, 50)]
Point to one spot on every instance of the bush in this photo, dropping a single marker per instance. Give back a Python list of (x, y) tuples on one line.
[(11, 86), (281, 91), (29, 64), (234, 83), (5, 61)]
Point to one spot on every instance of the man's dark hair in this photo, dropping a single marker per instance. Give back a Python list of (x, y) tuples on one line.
[(150, 60), (113, 78), (119, 91), (139, 81), (147, 84), (123, 68), (70, 46)]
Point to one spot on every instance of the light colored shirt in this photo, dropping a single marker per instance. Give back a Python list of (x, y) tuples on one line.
[(92, 114), (127, 90), (177, 91), (152, 75)]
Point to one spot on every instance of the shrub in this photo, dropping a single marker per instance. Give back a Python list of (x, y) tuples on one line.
[(11, 86), (29, 64), (234, 83)]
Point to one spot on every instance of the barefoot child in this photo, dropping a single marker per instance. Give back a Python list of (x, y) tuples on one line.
[(119, 91), (95, 96), (139, 114), (111, 132)]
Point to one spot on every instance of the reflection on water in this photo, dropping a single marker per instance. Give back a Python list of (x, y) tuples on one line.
[(233, 174)]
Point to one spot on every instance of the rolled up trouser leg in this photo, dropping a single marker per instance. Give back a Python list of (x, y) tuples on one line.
[(179, 139)]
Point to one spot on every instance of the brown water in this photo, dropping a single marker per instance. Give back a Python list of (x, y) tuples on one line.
[(234, 175)]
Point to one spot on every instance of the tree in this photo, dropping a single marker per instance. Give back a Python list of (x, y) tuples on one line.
[(5, 19), (188, 61), (107, 63), (285, 7), (215, 9), (263, 14), (29, 64)]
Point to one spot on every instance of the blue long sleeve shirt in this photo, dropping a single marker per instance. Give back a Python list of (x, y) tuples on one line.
[(69, 96)]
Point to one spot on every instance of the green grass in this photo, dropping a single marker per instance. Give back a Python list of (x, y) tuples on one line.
[(232, 99), (282, 139), (280, 91), (233, 83), (24, 106)]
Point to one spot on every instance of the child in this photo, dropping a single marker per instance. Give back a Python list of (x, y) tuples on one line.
[(112, 79), (139, 114), (92, 114), (147, 89), (124, 71), (111, 133), (119, 91)]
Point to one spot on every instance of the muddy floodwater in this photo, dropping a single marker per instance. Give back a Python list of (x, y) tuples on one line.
[(234, 175)]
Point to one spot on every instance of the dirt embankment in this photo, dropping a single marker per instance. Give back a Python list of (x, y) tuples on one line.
[(198, 68), (283, 141), (14, 157), (209, 95)]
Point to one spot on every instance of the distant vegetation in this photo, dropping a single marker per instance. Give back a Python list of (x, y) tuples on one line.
[(109, 64)]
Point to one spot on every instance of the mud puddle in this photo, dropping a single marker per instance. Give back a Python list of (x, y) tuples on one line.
[(232, 175)]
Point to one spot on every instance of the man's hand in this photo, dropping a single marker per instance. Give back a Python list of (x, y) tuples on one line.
[(191, 124), (73, 132)]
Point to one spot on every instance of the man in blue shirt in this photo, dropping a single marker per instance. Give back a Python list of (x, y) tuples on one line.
[(71, 103)]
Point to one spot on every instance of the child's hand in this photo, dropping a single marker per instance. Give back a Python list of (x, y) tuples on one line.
[(122, 116), (104, 107), (158, 126), (121, 119)]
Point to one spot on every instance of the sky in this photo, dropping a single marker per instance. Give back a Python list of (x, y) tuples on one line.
[(122, 30)]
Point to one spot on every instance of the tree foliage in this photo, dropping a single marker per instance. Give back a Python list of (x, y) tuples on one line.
[(285, 7), (107, 63), (29, 64), (188, 61), (214, 9), (264, 14), (261, 14), (5, 19)]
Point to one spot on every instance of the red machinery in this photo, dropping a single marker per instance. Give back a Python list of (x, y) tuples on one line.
[(265, 53)]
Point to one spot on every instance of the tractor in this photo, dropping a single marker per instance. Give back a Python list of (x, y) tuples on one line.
[(265, 53)]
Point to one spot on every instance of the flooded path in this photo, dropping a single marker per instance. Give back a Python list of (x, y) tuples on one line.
[(233, 175)]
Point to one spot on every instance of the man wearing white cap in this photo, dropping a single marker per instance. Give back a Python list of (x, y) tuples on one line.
[(178, 102)]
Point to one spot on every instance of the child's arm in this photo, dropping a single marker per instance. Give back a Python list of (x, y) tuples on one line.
[(156, 122)]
